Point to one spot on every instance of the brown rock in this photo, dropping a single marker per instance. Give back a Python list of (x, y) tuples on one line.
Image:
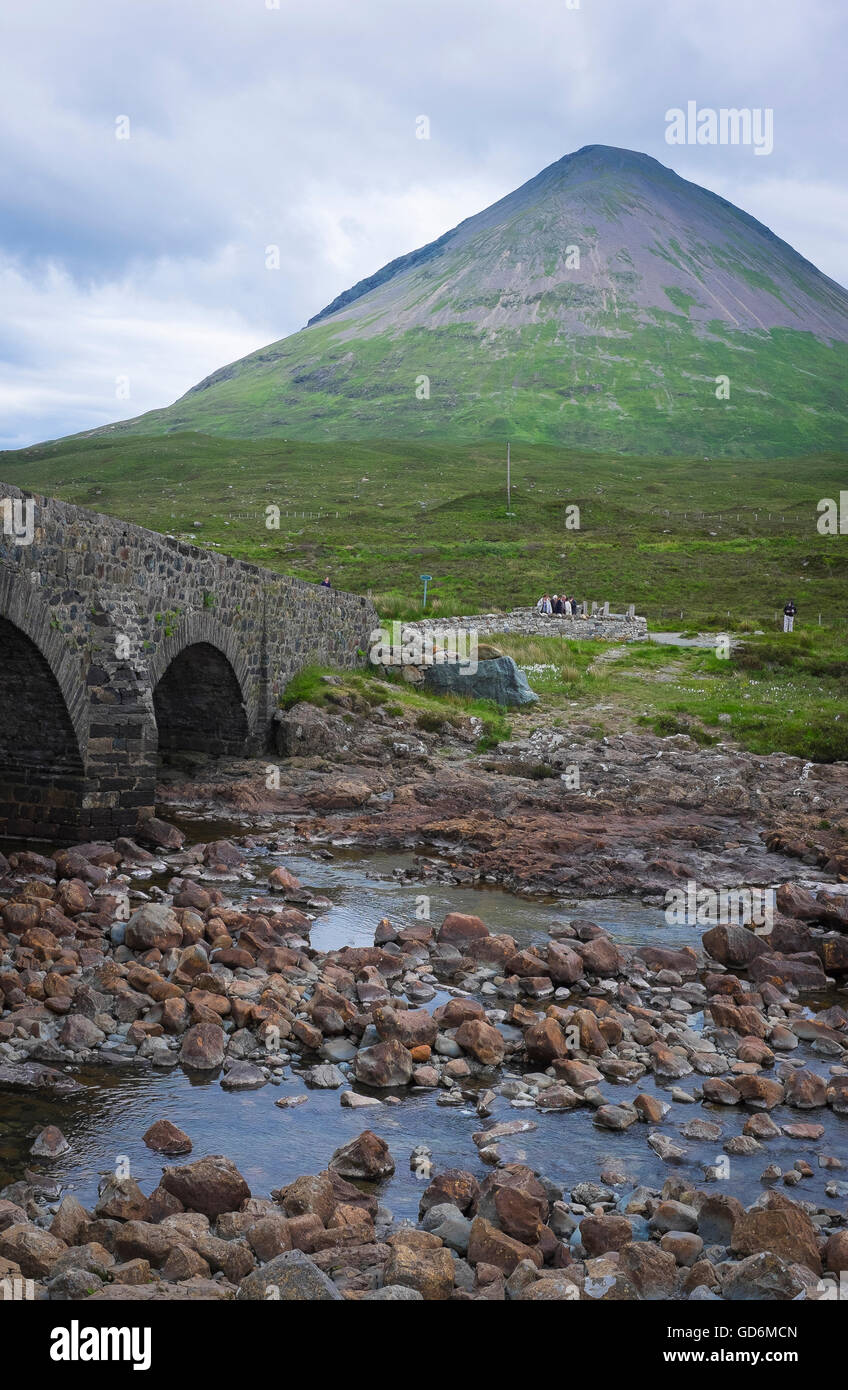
[(734, 945), (430, 1271), (269, 1236), (455, 1187), (652, 1271), (457, 1011), (153, 927), (600, 956), (785, 1231), (806, 1090), (159, 834), (210, 1185), (366, 1157), (483, 1041), (312, 1195), (545, 1042), (122, 1200), (836, 1252), (758, 1091), (411, 1027), (599, 1234), (203, 1047), (33, 1250), (385, 1064), (488, 1245), (460, 929), (165, 1138)]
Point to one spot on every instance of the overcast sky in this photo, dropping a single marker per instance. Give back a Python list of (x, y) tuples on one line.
[(139, 264)]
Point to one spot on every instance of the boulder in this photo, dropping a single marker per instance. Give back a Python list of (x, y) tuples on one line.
[(545, 1041), (411, 1027), (366, 1157), (33, 1250), (454, 1186), (651, 1270), (836, 1252), (488, 1245), (600, 1234), (159, 834), (165, 1138), (303, 731), (499, 679), (734, 945), (310, 1195), (385, 1064), (460, 929), (783, 1230), (429, 1271), (806, 1090), (153, 927), (79, 1033), (50, 1143), (289, 1277), (804, 971), (203, 1047), (485, 1044), (600, 956), (764, 1277), (210, 1185), (717, 1216), (121, 1199), (797, 902)]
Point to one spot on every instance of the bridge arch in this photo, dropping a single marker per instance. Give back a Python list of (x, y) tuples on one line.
[(44, 718), (204, 696)]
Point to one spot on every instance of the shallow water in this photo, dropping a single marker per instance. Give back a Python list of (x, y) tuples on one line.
[(272, 1146)]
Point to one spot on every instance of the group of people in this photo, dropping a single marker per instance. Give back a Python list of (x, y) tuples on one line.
[(557, 605)]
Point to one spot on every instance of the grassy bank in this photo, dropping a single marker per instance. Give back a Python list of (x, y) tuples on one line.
[(772, 694), (362, 690), (692, 542)]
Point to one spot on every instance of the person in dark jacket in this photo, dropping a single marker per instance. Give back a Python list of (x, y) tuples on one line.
[(325, 582), (789, 616)]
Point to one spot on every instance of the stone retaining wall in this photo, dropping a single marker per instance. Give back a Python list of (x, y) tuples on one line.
[(527, 622)]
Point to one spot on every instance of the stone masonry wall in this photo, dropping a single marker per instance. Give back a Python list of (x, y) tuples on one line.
[(527, 622), (109, 606)]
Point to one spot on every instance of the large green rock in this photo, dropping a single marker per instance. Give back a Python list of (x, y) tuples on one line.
[(499, 680)]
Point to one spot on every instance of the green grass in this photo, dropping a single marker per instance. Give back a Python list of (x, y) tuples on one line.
[(693, 545), (784, 694), (364, 690)]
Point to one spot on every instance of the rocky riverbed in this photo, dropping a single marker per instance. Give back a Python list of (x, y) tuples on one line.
[(563, 1110), (554, 810)]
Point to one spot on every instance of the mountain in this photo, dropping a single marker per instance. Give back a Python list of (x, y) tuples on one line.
[(595, 306)]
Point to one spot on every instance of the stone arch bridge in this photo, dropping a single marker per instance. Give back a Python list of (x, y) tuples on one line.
[(119, 645)]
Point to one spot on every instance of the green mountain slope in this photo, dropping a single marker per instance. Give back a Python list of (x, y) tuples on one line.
[(594, 306)]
